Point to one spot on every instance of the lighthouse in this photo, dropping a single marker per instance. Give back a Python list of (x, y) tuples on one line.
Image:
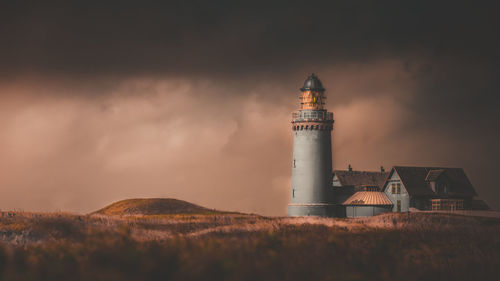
[(312, 126)]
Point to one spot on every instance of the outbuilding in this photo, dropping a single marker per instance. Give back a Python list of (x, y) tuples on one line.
[(367, 203)]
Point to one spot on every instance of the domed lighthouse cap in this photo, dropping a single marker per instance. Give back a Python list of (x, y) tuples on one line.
[(312, 83)]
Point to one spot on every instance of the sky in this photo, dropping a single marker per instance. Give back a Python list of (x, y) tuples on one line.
[(107, 100)]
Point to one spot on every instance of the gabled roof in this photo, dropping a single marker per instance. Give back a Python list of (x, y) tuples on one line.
[(415, 180), (361, 178), (361, 198)]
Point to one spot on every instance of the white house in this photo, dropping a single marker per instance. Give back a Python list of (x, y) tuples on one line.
[(429, 188)]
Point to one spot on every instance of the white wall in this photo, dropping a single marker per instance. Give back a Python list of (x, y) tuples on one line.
[(311, 173), (336, 182), (404, 197), (365, 211)]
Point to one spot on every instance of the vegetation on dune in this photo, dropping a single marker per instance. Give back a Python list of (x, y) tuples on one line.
[(153, 206), (237, 247)]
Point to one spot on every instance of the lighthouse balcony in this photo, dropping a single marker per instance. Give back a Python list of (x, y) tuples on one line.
[(312, 115)]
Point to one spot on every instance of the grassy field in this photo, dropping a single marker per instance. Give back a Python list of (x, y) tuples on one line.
[(230, 246)]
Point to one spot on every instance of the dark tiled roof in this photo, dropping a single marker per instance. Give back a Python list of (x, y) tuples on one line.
[(434, 174), (361, 178), (478, 204), (368, 198), (414, 180)]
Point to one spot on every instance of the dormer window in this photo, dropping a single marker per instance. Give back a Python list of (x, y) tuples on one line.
[(442, 188)]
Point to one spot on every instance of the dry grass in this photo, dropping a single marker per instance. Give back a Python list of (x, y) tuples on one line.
[(420, 246)]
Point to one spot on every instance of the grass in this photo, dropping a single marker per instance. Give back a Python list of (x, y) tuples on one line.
[(420, 246)]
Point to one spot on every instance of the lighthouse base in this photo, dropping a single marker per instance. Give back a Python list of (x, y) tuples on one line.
[(313, 209)]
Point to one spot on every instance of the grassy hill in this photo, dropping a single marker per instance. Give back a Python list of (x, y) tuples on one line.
[(153, 206)]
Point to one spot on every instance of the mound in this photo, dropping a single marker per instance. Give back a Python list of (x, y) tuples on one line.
[(153, 206)]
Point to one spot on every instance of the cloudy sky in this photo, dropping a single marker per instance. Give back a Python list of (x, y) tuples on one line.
[(104, 100)]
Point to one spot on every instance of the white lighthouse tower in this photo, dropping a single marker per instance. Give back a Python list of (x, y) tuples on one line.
[(312, 125)]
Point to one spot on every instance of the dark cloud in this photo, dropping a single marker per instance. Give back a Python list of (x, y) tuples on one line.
[(229, 37), (410, 83)]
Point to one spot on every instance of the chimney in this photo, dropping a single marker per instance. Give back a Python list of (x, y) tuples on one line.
[(382, 169), (350, 168)]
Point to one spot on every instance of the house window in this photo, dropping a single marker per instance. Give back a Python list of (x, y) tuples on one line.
[(398, 188), (436, 204), (447, 204), (393, 187), (399, 206)]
